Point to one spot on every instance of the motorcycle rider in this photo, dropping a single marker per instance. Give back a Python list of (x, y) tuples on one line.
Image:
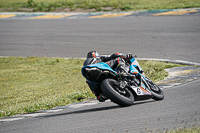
[(115, 60)]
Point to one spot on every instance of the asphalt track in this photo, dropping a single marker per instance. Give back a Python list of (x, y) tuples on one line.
[(167, 37)]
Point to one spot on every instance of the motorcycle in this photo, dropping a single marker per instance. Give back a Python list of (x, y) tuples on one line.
[(121, 90)]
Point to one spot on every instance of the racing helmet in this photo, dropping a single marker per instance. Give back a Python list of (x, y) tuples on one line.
[(93, 54), (92, 58)]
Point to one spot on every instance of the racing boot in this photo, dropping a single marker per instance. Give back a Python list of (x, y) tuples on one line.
[(102, 98)]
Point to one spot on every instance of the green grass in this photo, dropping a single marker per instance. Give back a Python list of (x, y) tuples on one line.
[(36, 83), (193, 129), (185, 130), (94, 5), (32, 84)]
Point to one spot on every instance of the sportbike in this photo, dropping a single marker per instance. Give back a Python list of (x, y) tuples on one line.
[(122, 90)]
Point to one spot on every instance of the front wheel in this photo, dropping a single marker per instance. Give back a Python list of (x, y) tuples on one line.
[(122, 97), (156, 91)]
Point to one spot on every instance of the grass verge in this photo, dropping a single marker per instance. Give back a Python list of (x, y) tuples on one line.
[(193, 129), (37, 83), (94, 5), (186, 130)]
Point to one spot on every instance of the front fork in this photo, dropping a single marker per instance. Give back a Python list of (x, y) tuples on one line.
[(144, 83), (139, 81)]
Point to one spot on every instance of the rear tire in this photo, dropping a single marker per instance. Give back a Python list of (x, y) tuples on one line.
[(122, 97)]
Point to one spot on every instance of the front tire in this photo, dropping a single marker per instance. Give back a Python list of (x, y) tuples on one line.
[(156, 91), (122, 97)]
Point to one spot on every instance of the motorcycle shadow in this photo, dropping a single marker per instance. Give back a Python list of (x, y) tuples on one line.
[(143, 102), (95, 109), (63, 113)]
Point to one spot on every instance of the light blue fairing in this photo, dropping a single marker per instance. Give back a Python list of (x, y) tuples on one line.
[(105, 66), (102, 66), (133, 68), (132, 60)]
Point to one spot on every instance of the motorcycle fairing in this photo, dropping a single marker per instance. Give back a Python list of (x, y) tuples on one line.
[(142, 89), (133, 70), (133, 67), (141, 93), (102, 66), (99, 69)]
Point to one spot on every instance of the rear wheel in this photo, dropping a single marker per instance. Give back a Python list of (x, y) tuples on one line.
[(112, 90)]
